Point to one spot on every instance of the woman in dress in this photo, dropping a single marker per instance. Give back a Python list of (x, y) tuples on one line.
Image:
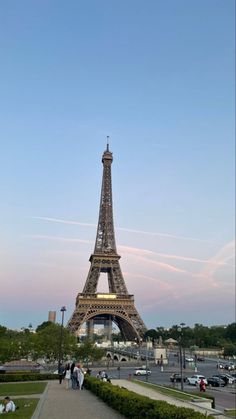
[(80, 377)]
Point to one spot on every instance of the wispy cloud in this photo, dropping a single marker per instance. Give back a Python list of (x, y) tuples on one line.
[(58, 220), (134, 250), (142, 255), (57, 238), (149, 233), (225, 254)]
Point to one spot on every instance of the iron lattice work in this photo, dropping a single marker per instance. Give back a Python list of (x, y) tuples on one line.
[(118, 304)]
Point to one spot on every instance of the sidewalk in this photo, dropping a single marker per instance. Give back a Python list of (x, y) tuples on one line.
[(58, 403)]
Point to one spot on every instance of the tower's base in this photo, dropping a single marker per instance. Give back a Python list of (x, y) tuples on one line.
[(111, 307)]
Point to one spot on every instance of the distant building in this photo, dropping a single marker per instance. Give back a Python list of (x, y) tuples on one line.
[(52, 316)]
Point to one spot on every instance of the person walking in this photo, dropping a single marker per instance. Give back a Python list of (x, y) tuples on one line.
[(61, 373), (202, 385), (80, 377), (74, 377), (68, 377)]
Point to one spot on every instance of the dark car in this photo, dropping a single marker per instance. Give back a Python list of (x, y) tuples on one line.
[(176, 378), (216, 382), (227, 378), (229, 367), (200, 359)]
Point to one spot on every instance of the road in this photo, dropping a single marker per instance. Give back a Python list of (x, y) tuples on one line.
[(224, 397)]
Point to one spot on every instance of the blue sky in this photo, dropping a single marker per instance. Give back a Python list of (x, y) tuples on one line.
[(158, 77)]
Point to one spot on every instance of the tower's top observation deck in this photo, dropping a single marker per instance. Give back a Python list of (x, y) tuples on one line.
[(107, 155)]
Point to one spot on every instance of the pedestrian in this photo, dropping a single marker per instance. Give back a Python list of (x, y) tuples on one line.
[(99, 375), (202, 385), (61, 373), (68, 377), (80, 377), (74, 377)]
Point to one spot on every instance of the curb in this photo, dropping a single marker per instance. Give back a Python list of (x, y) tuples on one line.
[(40, 403)]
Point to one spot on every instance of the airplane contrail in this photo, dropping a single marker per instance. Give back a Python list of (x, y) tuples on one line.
[(149, 233)]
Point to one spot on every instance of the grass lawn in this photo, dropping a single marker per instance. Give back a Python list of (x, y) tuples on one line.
[(18, 389), (231, 413), (26, 408), (177, 394), (168, 391)]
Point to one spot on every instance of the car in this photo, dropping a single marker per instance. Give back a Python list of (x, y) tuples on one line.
[(216, 382), (229, 366), (176, 378), (195, 379), (142, 371), (200, 359), (220, 365), (189, 359), (228, 379)]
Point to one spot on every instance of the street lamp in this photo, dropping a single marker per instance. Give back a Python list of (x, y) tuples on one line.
[(147, 358), (63, 309), (180, 330)]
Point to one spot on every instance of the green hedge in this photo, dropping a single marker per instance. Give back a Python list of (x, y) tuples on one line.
[(20, 372), (5, 378), (133, 405)]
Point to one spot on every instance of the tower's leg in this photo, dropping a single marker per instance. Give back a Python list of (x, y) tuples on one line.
[(108, 327), (90, 328)]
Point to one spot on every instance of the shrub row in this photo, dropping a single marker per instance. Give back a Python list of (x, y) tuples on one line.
[(20, 372), (4, 378), (133, 405)]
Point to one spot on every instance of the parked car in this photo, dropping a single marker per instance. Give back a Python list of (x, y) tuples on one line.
[(189, 359), (142, 371), (228, 379), (195, 379), (220, 365), (230, 366), (176, 378), (216, 382), (200, 359)]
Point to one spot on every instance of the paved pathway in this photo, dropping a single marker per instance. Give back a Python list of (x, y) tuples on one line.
[(59, 403)]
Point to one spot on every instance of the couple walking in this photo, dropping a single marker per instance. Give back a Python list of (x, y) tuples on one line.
[(76, 376)]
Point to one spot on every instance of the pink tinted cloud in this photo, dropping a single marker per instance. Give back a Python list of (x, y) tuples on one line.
[(225, 254)]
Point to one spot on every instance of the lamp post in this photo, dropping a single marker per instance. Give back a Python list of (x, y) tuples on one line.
[(63, 309), (147, 358), (180, 330)]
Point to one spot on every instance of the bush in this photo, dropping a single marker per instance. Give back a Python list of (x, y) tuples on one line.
[(20, 372), (5, 378), (133, 405)]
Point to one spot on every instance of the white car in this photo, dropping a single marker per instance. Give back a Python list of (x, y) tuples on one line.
[(195, 379), (142, 371)]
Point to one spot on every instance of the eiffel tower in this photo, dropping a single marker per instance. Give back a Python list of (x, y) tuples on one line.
[(118, 305)]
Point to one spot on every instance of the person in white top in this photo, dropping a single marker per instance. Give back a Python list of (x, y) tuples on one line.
[(9, 405), (80, 377)]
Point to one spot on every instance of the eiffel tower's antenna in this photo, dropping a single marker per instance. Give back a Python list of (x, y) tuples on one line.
[(108, 138)]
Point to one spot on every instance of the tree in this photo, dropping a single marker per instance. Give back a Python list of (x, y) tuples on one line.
[(230, 332), (88, 352), (47, 343), (152, 334), (229, 349), (2, 330), (43, 326)]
